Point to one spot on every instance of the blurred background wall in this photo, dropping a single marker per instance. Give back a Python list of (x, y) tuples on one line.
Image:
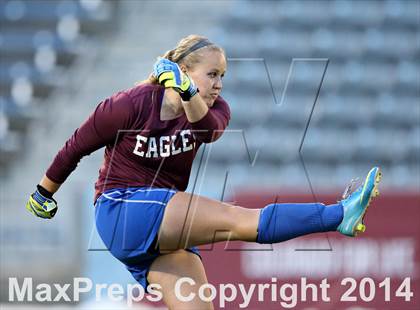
[(59, 59)]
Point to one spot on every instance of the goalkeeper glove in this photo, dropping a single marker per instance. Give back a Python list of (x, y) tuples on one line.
[(42, 204), (169, 74)]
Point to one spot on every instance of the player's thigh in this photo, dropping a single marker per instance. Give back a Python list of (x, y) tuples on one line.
[(167, 269), (191, 220)]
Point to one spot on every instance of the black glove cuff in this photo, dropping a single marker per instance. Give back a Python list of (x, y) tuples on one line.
[(44, 192), (186, 96)]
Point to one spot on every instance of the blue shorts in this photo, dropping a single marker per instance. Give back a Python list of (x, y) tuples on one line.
[(128, 222)]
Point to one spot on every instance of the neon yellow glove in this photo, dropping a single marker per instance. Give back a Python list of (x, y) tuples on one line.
[(169, 74), (40, 205)]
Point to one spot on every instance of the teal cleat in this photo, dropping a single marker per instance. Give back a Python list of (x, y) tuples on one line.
[(356, 204)]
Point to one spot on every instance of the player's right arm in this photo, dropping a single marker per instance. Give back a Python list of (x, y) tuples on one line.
[(207, 123), (100, 129)]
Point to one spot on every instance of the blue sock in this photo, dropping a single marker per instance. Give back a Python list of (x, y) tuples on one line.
[(283, 221)]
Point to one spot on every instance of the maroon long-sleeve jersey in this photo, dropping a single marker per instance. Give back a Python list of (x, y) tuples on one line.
[(140, 149)]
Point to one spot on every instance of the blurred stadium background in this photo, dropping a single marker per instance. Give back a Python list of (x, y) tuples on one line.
[(59, 59)]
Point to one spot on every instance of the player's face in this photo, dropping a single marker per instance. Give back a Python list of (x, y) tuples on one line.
[(207, 75)]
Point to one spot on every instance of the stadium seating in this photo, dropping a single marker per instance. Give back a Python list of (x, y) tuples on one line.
[(367, 111), (368, 97), (39, 40)]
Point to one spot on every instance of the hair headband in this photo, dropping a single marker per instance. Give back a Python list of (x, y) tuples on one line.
[(196, 46)]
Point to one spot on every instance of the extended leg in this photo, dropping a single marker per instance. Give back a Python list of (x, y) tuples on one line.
[(191, 220)]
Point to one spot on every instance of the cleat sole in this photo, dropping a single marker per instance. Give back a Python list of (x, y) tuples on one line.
[(360, 227)]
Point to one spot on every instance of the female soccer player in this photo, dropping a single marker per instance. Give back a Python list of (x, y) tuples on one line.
[(151, 134)]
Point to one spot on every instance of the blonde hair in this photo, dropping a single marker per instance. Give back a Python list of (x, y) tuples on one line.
[(185, 54)]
